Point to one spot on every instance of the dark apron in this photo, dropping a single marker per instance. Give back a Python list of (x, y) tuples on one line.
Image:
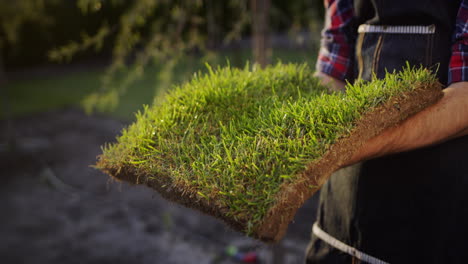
[(409, 207)]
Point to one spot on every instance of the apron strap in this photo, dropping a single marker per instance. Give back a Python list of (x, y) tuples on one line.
[(316, 230)]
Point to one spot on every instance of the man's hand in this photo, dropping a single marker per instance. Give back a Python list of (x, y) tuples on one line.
[(333, 85), (445, 120)]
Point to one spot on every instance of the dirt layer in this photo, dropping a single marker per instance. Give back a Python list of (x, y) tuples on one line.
[(57, 209), (293, 195)]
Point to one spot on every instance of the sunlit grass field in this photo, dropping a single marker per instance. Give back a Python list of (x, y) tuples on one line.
[(68, 88)]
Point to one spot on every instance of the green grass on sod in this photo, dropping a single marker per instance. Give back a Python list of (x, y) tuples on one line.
[(250, 146)]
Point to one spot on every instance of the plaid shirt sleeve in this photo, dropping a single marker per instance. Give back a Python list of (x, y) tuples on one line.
[(458, 68), (337, 45)]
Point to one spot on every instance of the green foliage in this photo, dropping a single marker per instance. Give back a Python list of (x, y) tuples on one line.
[(149, 31), (233, 136), (13, 14), (162, 31)]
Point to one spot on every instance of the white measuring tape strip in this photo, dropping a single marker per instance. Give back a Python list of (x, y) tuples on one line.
[(396, 29), (343, 247)]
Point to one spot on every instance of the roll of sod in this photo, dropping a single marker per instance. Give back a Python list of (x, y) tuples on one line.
[(249, 146)]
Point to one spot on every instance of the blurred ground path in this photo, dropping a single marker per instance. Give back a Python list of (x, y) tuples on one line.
[(56, 209)]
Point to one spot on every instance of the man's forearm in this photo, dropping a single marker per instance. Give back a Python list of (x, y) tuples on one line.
[(447, 119)]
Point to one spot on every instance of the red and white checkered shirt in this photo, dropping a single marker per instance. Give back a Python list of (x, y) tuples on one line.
[(337, 47)]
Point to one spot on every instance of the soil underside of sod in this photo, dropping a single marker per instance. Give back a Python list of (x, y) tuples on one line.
[(291, 194)]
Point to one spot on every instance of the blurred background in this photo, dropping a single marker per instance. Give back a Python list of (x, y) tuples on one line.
[(73, 74)]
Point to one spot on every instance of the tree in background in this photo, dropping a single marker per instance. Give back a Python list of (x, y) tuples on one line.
[(13, 15), (260, 31), (158, 31), (162, 32)]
